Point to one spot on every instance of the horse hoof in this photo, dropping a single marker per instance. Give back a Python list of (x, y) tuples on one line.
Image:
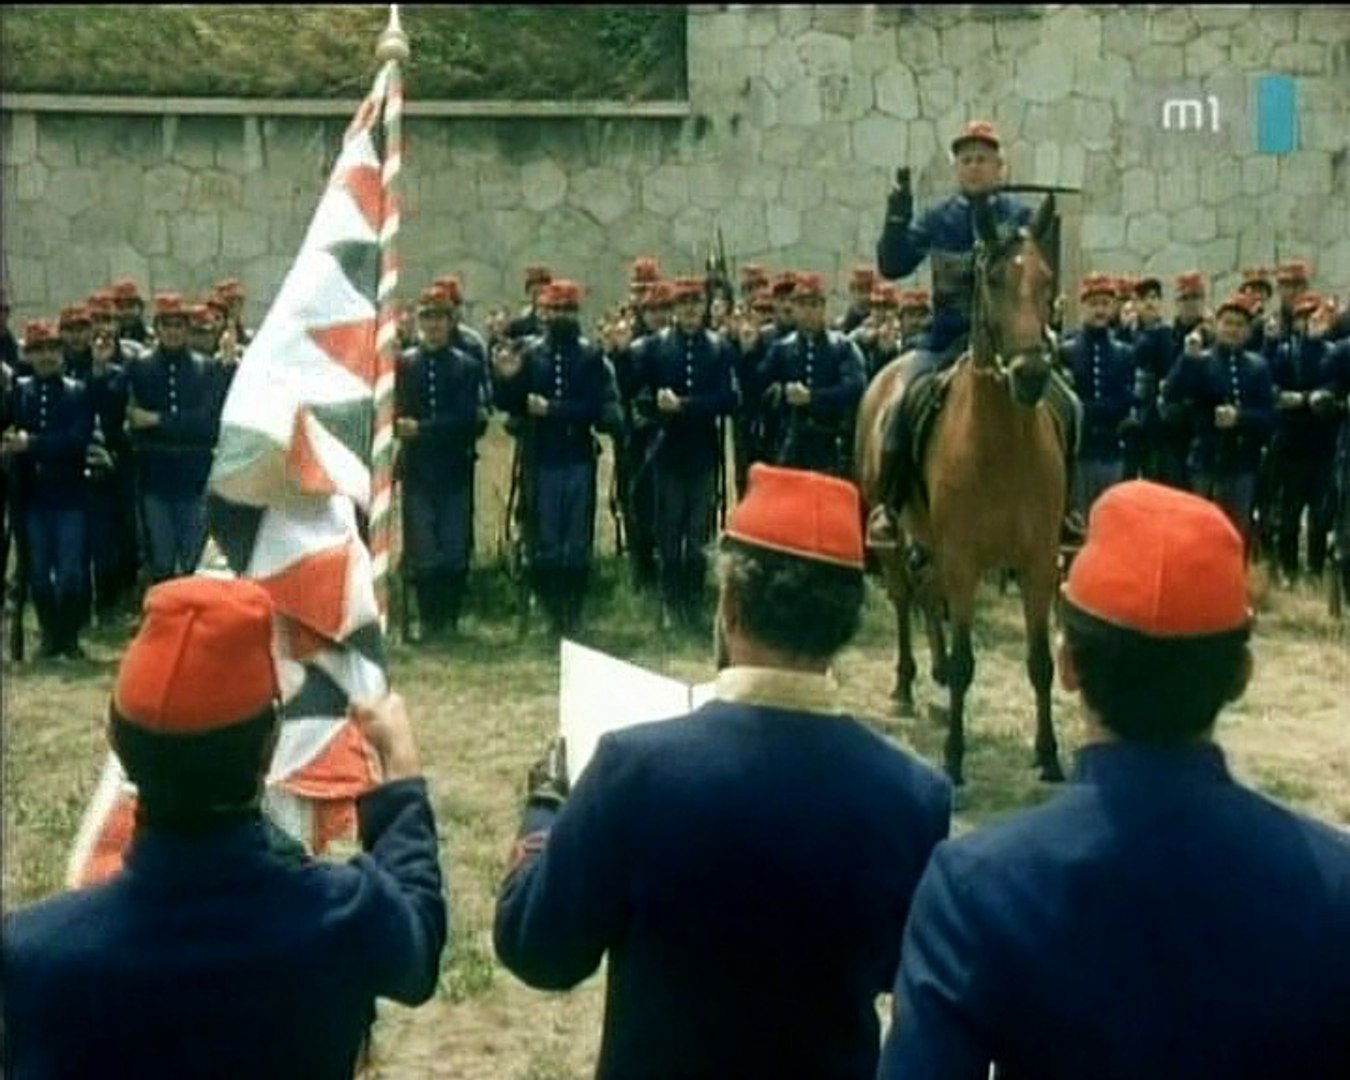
[(1051, 773), (938, 714)]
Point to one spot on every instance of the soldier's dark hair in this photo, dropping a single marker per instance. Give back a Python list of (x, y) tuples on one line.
[(1154, 690), (191, 782), (802, 607)]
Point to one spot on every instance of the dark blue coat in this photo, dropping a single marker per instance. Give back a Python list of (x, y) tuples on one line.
[(447, 392), (1297, 366), (698, 368), (574, 377), (1224, 377), (1154, 920), (830, 365), (1154, 351), (947, 233), (59, 418), (211, 956), (748, 871), (174, 458), (1103, 378)]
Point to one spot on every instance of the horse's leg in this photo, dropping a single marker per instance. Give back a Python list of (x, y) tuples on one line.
[(960, 674), (1037, 598), (905, 668)]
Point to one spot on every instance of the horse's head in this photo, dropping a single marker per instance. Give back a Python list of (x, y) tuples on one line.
[(1013, 285)]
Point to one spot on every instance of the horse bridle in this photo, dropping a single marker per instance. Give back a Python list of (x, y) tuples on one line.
[(979, 317)]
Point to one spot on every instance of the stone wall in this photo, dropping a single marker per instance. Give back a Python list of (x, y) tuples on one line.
[(799, 116)]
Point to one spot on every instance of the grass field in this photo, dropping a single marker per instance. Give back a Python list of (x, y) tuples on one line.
[(485, 707), (465, 51)]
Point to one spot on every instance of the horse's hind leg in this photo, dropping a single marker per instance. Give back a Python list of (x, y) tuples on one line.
[(1036, 602), (905, 668), (960, 674)]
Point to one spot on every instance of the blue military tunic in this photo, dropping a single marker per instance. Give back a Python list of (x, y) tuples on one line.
[(947, 233), (447, 392), (1156, 919), (817, 435), (174, 457), (748, 869), (57, 414), (211, 956), (1225, 377), (559, 448), (699, 368), (1103, 378)]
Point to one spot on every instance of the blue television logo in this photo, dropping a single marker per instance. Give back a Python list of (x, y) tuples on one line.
[(1276, 114)]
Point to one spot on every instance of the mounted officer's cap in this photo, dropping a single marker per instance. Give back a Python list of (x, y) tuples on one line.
[(805, 514), (202, 659), (1160, 562), (979, 131)]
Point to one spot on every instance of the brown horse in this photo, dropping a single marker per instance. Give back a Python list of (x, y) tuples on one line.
[(994, 470)]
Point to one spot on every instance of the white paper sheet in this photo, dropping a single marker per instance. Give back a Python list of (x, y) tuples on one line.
[(601, 693)]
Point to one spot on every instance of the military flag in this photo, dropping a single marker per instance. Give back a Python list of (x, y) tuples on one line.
[(300, 490)]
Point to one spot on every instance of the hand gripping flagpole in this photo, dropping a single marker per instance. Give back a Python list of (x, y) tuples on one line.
[(390, 51)]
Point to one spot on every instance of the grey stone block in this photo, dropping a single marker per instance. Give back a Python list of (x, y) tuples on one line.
[(499, 187), (1044, 73), (1180, 190), (1204, 56), (1306, 173), (917, 46), (1259, 174), (1103, 232), (150, 232), (72, 189), (604, 193), (1138, 191), (1301, 58), (166, 187), (665, 190), (1160, 65), (194, 238), (872, 53), (880, 141), (784, 226), (967, 44), (240, 237), (897, 92), (799, 103), (1147, 233), (782, 64), (543, 184), (803, 189), (30, 183), (1172, 26), (824, 54), (214, 190), (937, 92), (1195, 225), (20, 145)]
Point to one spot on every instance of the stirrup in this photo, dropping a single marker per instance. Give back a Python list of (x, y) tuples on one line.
[(917, 559), (883, 533)]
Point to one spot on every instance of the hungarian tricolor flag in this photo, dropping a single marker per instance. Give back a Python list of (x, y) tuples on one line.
[(303, 457)]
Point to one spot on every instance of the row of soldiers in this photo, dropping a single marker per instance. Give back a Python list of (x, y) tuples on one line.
[(1241, 405), (663, 377), (109, 423)]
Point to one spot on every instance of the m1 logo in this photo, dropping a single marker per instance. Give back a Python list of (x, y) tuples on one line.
[(1274, 119)]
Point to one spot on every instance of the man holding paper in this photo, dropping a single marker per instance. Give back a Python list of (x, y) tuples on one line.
[(748, 867)]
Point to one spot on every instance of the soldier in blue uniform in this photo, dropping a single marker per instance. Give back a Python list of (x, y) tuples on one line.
[(77, 332), (1153, 354), (685, 384), (750, 342), (441, 409), (814, 378), (131, 312), (1103, 377), (221, 950), (50, 428), (529, 322), (1142, 923), (1191, 336), (748, 867), (860, 285), (1256, 287), (173, 412), (557, 389), (462, 336), (946, 234), (1304, 442), (878, 336), (1227, 393)]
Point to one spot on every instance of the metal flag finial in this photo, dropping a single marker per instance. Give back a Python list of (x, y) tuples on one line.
[(393, 43)]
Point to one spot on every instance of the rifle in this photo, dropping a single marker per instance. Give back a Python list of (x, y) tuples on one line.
[(19, 535)]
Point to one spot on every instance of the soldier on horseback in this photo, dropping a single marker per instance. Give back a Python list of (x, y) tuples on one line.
[(947, 233)]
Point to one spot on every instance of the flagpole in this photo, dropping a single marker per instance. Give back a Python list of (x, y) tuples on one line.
[(390, 51)]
